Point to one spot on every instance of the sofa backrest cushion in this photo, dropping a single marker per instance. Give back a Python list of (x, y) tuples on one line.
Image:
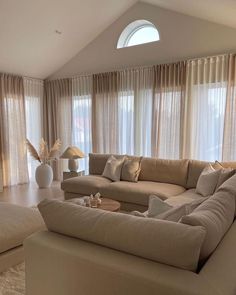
[(195, 168), (97, 162), (166, 242), (216, 215), (167, 171), (228, 164)]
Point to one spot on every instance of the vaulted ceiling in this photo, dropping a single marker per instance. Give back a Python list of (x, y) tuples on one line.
[(38, 37)]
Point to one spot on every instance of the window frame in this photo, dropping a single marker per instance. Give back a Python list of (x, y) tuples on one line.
[(133, 28)]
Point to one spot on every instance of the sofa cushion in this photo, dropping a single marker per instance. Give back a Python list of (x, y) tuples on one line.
[(216, 214), (166, 242), (84, 185), (16, 224), (195, 168), (97, 163), (138, 193), (208, 180), (131, 169), (166, 171), (225, 174), (156, 206), (113, 168), (186, 197)]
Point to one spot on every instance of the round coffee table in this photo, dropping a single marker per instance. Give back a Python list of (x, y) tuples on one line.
[(109, 205)]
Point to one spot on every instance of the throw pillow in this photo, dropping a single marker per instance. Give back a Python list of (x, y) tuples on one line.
[(177, 212), (156, 206), (131, 169), (225, 174), (208, 180), (113, 168)]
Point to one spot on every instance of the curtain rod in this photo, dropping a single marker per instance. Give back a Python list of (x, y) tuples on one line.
[(144, 67)]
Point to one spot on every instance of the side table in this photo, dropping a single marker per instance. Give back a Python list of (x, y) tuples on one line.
[(70, 174)]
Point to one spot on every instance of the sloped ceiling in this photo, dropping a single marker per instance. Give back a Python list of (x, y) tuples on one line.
[(31, 47), (181, 37), (29, 44), (218, 11)]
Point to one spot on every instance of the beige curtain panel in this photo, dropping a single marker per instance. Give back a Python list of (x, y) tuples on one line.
[(168, 110), (57, 116), (104, 113), (229, 142), (204, 109), (13, 159)]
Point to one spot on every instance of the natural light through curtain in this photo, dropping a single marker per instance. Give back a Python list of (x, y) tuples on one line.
[(168, 111), (13, 130), (169, 92), (33, 91), (206, 101), (81, 117)]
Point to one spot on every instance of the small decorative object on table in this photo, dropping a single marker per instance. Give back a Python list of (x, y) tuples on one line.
[(72, 153), (43, 173)]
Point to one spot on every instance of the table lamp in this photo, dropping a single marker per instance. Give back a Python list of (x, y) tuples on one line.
[(72, 153)]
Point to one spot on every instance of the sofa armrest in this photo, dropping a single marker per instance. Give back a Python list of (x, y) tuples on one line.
[(220, 269), (61, 265)]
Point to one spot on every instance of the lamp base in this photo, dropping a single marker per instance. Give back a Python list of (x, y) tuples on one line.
[(73, 165)]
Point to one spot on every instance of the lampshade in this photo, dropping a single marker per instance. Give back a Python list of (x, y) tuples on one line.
[(72, 152)]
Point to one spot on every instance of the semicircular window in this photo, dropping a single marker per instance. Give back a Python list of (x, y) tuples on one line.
[(138, 32)]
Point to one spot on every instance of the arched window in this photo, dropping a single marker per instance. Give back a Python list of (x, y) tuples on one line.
[(138, 32)]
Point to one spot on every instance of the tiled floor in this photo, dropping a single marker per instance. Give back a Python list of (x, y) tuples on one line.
[(29, 194)]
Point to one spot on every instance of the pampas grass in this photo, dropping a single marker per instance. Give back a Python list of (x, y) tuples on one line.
[(44, 155)]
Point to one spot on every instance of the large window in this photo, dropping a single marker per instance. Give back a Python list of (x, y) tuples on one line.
[(33, 90), (208, 113)]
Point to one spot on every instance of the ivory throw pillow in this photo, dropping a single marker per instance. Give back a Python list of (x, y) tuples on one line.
[(158, 209), (113, 168), (208, 180), (156, 206), (131, 169)]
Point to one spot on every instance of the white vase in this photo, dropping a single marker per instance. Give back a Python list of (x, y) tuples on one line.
[(44, 175)]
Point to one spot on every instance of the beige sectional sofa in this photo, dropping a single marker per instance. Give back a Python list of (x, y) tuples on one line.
[(172, 180), (16, 224), (94, 252)]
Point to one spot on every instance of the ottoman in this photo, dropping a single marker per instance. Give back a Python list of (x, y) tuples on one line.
[(16, 224)]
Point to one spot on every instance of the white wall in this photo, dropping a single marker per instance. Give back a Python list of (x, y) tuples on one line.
[(181, 36)]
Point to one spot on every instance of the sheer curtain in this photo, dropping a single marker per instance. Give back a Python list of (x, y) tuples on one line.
[(12, 131), (105, 134), (229, 143), (169, 91), (33, 92), (135, 90), (205, 107), (122, 112), (57, 117), (81, 116)]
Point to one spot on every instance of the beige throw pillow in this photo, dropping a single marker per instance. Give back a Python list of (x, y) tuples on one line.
[(156, 206), (113, 168), (207, 181), (161, 210), (216, 215), (131, 169), (176, 213), (225, 174)]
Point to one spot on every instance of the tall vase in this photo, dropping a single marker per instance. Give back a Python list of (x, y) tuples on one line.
[(44, 175)]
